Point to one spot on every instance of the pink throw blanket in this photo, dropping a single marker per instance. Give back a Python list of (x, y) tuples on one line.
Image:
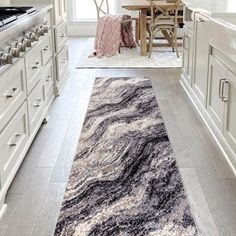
[(111, 34)]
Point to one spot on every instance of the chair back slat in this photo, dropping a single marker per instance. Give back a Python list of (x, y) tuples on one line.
[(102, 7), (168, 12)]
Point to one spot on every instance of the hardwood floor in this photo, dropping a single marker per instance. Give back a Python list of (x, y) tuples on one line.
[(35, 196)]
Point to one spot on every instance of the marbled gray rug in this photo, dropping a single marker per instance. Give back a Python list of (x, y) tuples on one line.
[(124, 179)]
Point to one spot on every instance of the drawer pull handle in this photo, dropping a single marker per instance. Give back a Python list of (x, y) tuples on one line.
[(64, 61), (220, 88), (15, 140), (200, 20), (186, 42), (46, 49), (38, 103), (48, 78), (10, 93), (36, 66), (224, 97)]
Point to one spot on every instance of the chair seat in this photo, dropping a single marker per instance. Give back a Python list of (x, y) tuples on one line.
[(164, 22)]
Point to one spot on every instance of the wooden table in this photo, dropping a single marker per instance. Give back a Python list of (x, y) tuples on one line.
[(143, 6)]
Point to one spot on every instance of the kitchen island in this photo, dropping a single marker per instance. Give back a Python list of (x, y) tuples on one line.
[(209, 68)]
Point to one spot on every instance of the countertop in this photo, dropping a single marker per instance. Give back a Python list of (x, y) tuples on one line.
[(213, 6), (222, 11)]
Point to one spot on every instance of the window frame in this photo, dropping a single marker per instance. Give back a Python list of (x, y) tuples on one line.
[(73, 11)]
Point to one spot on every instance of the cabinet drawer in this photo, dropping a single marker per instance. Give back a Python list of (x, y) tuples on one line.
[(12, 142), (36, 106), (47, 48), (61, 36), (12, 91), (48, 83), (62, 61), (33, 61)]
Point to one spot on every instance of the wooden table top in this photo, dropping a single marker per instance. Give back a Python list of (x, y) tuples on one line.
[(136, 5)]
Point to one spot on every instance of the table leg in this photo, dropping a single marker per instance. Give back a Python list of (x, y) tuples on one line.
[(143, 32)]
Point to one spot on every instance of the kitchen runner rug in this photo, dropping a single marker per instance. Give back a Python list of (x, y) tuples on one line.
[(162, 57), (124, 179)]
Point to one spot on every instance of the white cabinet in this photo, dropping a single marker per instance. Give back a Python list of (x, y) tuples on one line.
[(63, 9), (209, 77), (34, 65), (57, 12), (36, 107), (12, 141), (47, 47), (48, 84), (12, 91), (217, 77), (187, 67), (61, 36), (229, 97), (222, 100), (202, 25), (60, 11), (26, 92)]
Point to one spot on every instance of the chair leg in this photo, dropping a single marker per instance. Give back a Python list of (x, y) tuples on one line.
[(150, 44), (137, 33), (173, 41)]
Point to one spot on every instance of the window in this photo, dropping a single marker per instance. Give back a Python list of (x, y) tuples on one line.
[(85, 10)]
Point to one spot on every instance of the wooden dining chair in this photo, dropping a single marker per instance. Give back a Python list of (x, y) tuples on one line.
[(102, 7), (163, 19)]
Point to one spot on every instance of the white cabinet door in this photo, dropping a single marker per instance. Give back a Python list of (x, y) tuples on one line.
[(63, 9), (215, 106), (187, 67), (230, 111), (202, 25), (57, 11)]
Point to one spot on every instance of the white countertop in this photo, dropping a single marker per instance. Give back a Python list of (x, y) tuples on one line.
[(214, 6)]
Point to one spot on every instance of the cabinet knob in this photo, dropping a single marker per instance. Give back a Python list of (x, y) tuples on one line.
[(64, 61), (10, 94), (200, 20), (15, 140), (37, 103)]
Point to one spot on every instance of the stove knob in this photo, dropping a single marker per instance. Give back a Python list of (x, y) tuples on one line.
[(40, 31), (5, 58), (19, 45), (34, 36), (31, 36), (14, 51), (22, 46), (26, 43), (45, 28)]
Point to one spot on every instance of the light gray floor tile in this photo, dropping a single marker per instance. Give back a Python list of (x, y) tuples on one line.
[(198, 202), (48, 214), (25, 215)]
